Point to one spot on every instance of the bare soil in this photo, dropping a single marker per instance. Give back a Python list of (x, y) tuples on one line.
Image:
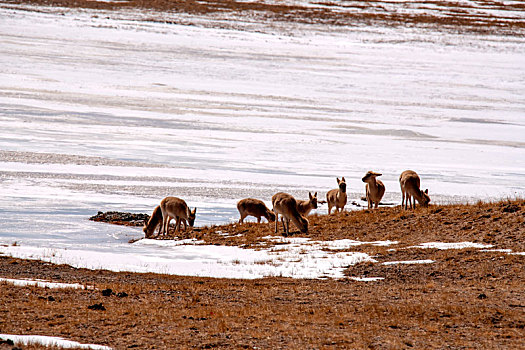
[(466, 299)]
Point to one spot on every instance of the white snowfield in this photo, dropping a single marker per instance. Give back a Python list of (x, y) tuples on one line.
[(292, 257), (102, 113), (42, 283), (299, 259), (50, 341)]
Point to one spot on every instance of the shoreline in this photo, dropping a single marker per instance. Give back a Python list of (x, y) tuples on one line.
[(454, 17)]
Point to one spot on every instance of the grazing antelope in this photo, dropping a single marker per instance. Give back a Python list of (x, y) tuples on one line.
[(286, 205), (409, 182), (337, 197), (375, 189), (305, 207), (176, 208), (154, 221), (254, 207)]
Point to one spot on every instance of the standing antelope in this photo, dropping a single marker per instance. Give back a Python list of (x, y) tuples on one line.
[(375, 189), (154, 221), (254, 207), (286, 205), (409, 182), (337, 197), (305, 207), (176, 208)]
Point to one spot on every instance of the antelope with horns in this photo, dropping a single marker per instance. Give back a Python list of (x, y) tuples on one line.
[(176, 208), (286, 205), (154, 221), (409, 182), (305, 207), (337, 197), (254, 207), (375, 189)]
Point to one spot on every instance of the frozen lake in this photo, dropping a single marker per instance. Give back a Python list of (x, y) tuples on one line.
[(102, 114)]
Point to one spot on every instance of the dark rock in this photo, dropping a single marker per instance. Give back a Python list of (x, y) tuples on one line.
[(98, 307), (511, 208), (121, 218), (482, 296), (122, 294), (107, 292)]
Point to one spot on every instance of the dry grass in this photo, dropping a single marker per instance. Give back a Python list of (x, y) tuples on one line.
[(488, 223), (466, 299)]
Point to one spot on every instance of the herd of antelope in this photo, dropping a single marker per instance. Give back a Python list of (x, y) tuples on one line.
[(288, 207)]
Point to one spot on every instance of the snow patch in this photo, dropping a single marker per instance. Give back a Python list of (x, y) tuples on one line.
[(50, 341), (367, 279), (409, 262), (445, 246), (43, 283), (192, 258)]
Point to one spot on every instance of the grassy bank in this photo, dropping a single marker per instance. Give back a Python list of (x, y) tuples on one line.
[(466, 298)]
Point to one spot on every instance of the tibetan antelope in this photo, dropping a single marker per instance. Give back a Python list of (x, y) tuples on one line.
[(337, 197), (305, 207), (286, 205), (254, 207), (375, 189), (409, 182), (154, 221), (176, 208)]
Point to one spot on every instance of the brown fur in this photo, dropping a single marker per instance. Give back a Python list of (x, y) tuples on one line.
[(286, 205), (409, 182), (176, 208), (337, 197), (305, 207), (254, 207), (375, 189), (154, 221)]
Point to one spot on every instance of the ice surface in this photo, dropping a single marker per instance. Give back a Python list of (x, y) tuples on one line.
[(114, 113)]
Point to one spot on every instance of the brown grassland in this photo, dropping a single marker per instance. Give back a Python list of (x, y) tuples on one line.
[(466, 299)]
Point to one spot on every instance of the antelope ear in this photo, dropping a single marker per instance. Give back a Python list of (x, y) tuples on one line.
[(310, 195), (315, 195), (338, 181), (343, 179), (378, 174), (194, 211), (426, 191)]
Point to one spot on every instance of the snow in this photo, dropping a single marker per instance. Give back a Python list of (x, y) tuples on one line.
[(42, 283), (50, 341), (458, 245), (497, 250), (367, 279), (409, 262), (114, 112), (193, 258)]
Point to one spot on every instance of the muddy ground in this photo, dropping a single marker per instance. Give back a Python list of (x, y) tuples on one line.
[(466, 299)]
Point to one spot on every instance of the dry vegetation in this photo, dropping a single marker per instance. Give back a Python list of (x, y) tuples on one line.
[(456, 15), (466, 299)]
